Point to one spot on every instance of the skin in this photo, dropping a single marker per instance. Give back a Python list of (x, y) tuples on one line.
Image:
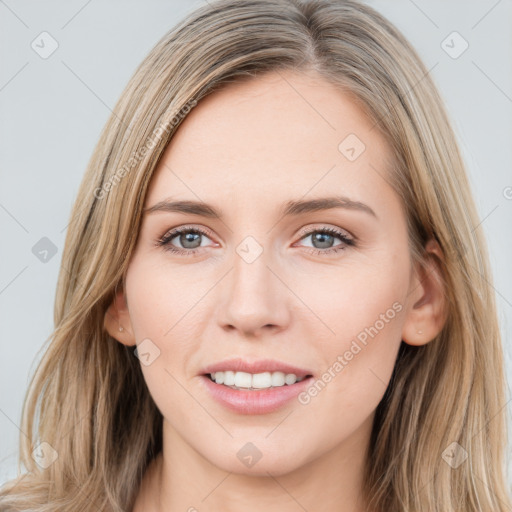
[(246, 150)]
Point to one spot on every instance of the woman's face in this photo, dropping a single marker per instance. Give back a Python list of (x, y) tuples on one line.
[(305, 270)]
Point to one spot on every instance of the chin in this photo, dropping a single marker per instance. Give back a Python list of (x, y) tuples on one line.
[(249, 460)]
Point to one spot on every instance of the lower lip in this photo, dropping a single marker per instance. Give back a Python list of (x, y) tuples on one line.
[(261, 401)]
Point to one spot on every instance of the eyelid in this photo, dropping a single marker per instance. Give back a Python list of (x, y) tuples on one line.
[(174, 232), (313, 228), (188, 227)]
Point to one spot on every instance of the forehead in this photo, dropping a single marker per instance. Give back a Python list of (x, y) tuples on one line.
[(277, 136)]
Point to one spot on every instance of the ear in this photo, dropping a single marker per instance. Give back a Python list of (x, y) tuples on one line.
[(426, 311), (117, 320)]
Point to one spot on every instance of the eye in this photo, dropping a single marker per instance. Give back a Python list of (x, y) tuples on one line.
[(189, 238), (323, 240)]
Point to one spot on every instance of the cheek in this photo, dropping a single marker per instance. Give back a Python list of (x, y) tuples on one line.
[(355, 296), (161, 299), (358, 366), (364, 308), (165, 315)]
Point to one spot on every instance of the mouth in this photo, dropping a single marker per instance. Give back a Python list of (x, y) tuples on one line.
[(245, 381), (257, 387)]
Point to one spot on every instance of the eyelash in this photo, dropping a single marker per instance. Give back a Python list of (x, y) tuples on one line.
[(164, 241)]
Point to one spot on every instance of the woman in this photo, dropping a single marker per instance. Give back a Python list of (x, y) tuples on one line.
[(272, 291)]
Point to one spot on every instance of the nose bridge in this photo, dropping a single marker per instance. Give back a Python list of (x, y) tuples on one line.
[(251, 274), (255, 297)]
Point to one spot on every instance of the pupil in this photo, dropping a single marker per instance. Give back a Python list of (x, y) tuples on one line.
[(190, 238), (322, 237)]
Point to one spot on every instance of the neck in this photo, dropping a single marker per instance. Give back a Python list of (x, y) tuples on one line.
[(181, 479)]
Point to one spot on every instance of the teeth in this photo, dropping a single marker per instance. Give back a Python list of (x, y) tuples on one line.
[(244, 380), (229, 378), (260, 380), (278, 379), (290, 378)]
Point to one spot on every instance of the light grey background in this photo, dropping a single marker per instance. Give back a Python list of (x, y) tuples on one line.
[(52, 111)]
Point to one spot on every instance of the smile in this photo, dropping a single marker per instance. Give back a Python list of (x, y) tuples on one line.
[(254, 381)]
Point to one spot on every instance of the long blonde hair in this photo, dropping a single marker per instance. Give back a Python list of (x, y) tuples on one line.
[(94, 407)]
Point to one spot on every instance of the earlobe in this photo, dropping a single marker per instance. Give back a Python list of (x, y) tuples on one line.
[(117, 320), (426, 314)]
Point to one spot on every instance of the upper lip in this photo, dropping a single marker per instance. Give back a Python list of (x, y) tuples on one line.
[(259, 366)]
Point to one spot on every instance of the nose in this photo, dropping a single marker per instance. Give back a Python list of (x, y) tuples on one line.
[(254, 300)]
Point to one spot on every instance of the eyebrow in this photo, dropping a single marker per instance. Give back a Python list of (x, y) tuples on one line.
[(290, 208)]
